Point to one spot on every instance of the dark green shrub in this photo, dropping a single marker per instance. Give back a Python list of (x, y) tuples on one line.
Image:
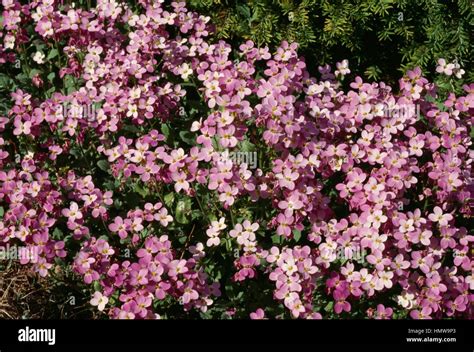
[(379, 37)]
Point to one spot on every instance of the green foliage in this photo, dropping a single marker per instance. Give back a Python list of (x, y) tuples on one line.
[(183, 210), (379, 37)]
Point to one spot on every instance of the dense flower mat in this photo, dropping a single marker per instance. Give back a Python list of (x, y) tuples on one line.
[(121, 161)]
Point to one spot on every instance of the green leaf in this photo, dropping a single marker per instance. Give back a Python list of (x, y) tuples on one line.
[(50, 91), (34, 72), (22, 77), (196, 214), (131, 128), (5, 81), (276, 239), (51, 76), (187, 137), (52, 54), (97, 286), (183, 209), (144, 233), (109, 185), (296, 235), (75, 152), (57, 234), (69, 84), (2, 211), (103, 165), (246, 146), (118, 203), (169, 199), (165, 130), (140, 190), (244, 10)]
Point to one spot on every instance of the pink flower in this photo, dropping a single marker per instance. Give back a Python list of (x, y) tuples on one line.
[(293, 203), (163, 217), (385, 278), (72, 213), (21, 127), (289, 266), (284, 225), (120, 227), (406, 226), (341, 303), (180, 181), (228, 195), (189, 294), (287, 178), (377, 218), (42, 267), (176, 267), (423, 314), (214, 239), (445, 68), (383, 313), (258, 314), (377, 259)]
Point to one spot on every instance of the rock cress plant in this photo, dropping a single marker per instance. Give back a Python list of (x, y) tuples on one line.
[(142, 201)]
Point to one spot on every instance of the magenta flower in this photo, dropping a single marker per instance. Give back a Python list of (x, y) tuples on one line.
[(341, 303)]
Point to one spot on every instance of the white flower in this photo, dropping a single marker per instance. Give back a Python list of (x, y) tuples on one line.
[(449, 68), (9, 41), (385, 277), (196, 125), (135, 93), (289, 267), (219, 225), (315, 89), (185, 71), (459, 73), (99, 300), (133, 20), (470, 281), (406, 300), (342, 68), (39, 57)]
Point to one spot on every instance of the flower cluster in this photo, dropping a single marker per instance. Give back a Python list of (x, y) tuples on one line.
[(153, 277), (146, 205), (449, 68)]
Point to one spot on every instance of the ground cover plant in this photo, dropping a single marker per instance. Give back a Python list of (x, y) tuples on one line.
[(152, 170)]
